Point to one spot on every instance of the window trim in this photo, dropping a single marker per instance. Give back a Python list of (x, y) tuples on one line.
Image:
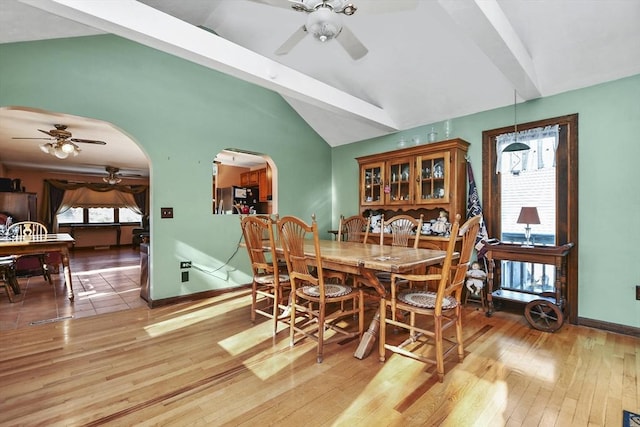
[(566, 193)]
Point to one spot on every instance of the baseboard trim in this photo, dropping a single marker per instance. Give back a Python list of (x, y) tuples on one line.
[(611, 327), (194, 297)]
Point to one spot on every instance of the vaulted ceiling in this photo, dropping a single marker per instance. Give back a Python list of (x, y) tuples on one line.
[(427, 60)]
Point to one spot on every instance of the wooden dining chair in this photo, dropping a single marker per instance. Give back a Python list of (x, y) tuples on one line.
[(269, 288), (282, 264), (402, 229), (316, 306), (437, 311), (27, 230), (8, 275), (354, 229)]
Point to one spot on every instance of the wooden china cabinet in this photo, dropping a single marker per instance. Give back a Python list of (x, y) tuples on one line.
[(423, 179)]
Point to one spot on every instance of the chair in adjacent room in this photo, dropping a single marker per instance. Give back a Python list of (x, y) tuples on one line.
[(32, 230), (8, 275), (316, 306), (354, 229), (428, 315), (269, 289)]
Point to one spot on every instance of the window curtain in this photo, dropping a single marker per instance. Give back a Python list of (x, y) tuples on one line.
[(542, 142), (56, 199)]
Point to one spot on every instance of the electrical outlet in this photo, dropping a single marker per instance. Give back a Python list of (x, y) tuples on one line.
[(185, 276), (166, 212), (185, 264), (638, 292)]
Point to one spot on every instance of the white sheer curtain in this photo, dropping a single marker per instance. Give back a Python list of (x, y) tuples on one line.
[(542, 142)]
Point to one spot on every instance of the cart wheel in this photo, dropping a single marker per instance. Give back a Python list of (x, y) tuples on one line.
[(544, 315)]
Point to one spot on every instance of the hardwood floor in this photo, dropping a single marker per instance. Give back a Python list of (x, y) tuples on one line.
[(103, 281), (204, 363)]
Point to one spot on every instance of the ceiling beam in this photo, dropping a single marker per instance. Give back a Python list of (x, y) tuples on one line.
[(145, 25), (487, 25)]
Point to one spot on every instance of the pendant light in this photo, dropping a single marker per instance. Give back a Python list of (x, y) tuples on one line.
[(515, 146)]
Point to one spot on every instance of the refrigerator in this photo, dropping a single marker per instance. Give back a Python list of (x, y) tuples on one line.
[(229, 197)]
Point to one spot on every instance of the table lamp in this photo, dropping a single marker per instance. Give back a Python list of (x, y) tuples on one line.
[(528, 215)]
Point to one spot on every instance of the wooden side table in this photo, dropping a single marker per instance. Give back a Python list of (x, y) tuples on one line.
[(544, 310)]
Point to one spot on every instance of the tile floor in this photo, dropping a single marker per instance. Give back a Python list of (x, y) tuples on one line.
[(103, 281)]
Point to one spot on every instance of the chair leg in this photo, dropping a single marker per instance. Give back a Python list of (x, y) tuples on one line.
[(439, 348), (12, 280), (382, 335), (361, 313), (276, 309), (7, 289), (254, 295), (321, 314), (292, 319), (459, 334)]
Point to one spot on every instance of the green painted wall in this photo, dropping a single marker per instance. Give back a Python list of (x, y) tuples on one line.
[(181, 114), (609, 176)]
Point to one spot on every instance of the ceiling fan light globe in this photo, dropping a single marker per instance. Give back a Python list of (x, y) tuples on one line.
[(67, 147), (60, 154), (323, 24), (46, 148)]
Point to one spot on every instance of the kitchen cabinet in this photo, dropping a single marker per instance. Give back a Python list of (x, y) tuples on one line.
[(264, 184), (249, 179)]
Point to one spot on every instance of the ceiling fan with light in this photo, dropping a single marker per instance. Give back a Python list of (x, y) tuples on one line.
[(112, 178), (114, 175), (63, 145), (324, 23)]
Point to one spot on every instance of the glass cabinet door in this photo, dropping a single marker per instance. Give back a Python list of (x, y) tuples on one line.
[(372, 187), (400, 178), (433, 183)]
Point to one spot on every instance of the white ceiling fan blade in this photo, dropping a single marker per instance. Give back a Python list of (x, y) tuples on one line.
[(351, 44), (292, 41), (277, 3), (374, 6)]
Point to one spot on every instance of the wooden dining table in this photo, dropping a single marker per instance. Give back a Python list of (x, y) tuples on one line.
[(41, 244), (365, 260)]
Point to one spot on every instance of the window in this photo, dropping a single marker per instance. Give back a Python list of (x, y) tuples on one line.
[(98, 216), (101, 215), (528, 178), (546, 176), (71, 216), (127, 215)]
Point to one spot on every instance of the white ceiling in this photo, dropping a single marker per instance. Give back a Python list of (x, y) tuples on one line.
[(428, 60)]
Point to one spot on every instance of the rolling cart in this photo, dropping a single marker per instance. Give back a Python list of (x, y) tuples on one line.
[(544, 308)]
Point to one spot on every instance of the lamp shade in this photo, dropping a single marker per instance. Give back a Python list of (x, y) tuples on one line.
[(528, 215), (516, 146)]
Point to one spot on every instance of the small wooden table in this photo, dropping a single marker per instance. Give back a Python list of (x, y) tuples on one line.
[(39, 244), (550, 304)]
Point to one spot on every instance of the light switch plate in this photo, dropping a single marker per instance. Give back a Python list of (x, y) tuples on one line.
[(166, 212)]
